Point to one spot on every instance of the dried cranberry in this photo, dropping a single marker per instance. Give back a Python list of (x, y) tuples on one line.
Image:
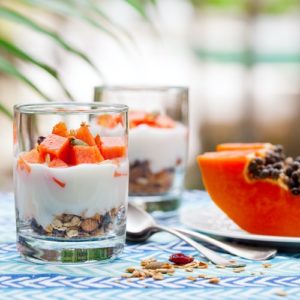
[(180, 259)]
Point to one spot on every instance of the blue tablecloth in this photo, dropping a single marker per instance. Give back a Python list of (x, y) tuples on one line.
[(23, 280)]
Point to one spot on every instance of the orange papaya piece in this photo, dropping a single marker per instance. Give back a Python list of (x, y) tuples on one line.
[(59, 182), (136, 117), (98, 142), (31, 157), (86, 155), (84, 134), (236, 181), (163, 121), (56, 146), (60, 129), (109, 121), (113, 147), (242, 146), (57, 163)]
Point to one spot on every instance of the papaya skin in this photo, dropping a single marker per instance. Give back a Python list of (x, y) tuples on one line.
[(257, 206)]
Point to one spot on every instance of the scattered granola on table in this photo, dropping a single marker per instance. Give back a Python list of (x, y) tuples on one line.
[(214, 280), (152, 268), (281, 293)]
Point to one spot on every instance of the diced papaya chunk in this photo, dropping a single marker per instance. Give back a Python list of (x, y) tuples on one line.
[(57, 163), (31, 157), (23, 165), (84, 134), (98, 142), (136, 118), (60, 129), (86, 155), (113, 147), (164, 122), (56, 146), (59, 182), (109, 121)]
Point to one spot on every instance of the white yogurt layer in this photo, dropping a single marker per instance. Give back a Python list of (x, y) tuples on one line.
[(162, 147), (88, 189)]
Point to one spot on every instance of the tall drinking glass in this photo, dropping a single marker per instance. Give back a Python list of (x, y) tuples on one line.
[(158, 141), (70, 181)]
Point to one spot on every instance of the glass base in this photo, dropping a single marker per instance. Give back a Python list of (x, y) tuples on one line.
[(161, 206), (98, 250)]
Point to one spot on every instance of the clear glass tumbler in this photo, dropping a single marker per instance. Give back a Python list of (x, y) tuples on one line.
[(158, 141), (70, 181)]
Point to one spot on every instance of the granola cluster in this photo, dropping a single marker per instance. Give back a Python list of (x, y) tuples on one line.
[(152, 268), (74, 226), (142, 181)]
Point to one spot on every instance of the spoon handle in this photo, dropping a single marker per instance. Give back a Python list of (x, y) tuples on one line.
[(248, 252), (209, 254)]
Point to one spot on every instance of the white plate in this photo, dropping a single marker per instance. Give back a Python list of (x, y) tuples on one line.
[(207, 218)]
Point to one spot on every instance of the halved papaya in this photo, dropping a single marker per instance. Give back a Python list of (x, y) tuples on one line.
[(257, 188)]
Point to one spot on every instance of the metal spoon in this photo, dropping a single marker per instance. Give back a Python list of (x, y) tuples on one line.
[(249, 252), (141, 225)]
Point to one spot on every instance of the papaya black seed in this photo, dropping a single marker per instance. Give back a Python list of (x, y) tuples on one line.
[(264, 173), (278, 165), (258, 161), (295, 165), (275, 174), (295, 191), (288, 171), (295, 176)]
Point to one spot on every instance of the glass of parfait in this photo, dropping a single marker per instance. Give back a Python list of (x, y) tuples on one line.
[(71, 184), (158, 141)]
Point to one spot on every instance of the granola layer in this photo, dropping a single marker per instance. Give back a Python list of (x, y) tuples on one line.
[(142, 181), (75, 226)]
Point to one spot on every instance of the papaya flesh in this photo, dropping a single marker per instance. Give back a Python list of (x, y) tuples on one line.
[(257, 204), (242, 146)]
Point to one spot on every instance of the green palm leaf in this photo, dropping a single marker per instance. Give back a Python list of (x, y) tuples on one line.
[(5, 111), (17, 52), (10, 69), (99, 12), (139, 7), (67, 8), (11, 15)]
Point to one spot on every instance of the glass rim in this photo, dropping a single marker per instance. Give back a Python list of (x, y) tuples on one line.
[(150, 88), (61, 108)]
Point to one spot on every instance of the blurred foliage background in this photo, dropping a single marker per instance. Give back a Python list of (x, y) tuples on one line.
[(240, 59)]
